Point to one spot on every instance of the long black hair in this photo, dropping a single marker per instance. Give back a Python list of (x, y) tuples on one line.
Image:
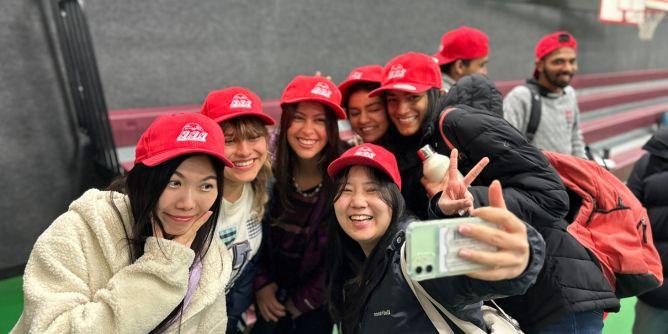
[(434, 95), (351, 276), (284, 164), (144, 185)]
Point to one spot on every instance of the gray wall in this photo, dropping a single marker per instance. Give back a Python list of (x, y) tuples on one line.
[(38, 155), (169, 52)]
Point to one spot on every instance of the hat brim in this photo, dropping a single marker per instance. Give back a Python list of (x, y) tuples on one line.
[(355, 160), (338, 110), (266, 119), (400, 86), (345, 86), (169, 154), (442, 60)]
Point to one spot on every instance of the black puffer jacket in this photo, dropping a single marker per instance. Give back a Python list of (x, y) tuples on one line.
[(648, 182), (475, 91), (393, 308), (571, 280), (532, 189)]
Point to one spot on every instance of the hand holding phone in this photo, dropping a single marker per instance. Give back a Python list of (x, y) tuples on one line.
[(433, 247), (513, 253), (491, 246)]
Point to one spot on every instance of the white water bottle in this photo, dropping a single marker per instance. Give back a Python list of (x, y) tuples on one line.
[(434, 165)]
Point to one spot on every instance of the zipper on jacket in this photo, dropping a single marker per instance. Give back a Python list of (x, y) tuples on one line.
[(643, 223), (620, 206)]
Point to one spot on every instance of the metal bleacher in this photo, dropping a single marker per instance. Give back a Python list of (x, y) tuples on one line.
[(619, 112)]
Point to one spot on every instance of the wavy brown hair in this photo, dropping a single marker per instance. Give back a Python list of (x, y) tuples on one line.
[(249, 127)]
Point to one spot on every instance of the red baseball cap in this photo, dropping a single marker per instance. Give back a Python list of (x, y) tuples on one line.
[(170, 136), (554, 41), (222, 105), (367, 155), (462, 43), (314, 88), (410, 72), (368, 73)]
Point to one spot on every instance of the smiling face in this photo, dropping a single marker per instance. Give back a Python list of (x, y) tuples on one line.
[(367, 116), (558, 68), (190, 192), (246, 147), (360, 211), (307, 134), (406, 110)]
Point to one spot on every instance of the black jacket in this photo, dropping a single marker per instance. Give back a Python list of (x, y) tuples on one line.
[(393, 308), (648, 181), (534, 192)]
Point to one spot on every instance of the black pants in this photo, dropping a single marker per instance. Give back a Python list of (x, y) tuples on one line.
[(314, 322)]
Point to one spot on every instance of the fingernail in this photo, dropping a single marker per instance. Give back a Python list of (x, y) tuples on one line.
[(464, 229), (464, 252)]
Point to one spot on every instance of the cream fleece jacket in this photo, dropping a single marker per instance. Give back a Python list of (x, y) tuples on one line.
[(79, 278)]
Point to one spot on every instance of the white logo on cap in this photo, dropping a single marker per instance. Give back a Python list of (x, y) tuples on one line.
[(240, 101), (322, 89), (396, 71), (355, 75), (404, 86), (365, 152), (192, 132)]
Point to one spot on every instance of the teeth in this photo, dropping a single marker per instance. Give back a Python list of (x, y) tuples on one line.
[(307, 141), (243, 163), (360, 217), (367, 129), (407, 119)]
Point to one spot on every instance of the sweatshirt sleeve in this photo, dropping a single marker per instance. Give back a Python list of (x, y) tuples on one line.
[(61, 295), (516, 108), (577, 140)]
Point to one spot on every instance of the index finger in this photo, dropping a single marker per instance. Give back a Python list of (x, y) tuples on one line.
[(475, 171), (496, 195), (452, 169)]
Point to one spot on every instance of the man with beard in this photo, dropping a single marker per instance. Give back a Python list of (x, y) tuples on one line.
[(555, 124)]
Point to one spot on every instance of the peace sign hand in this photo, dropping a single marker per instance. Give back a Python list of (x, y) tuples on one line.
[(456, 198)]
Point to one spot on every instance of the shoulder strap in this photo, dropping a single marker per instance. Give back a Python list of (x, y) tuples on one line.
[(429, 305), (436, 319), (536, 110), (440, 127)]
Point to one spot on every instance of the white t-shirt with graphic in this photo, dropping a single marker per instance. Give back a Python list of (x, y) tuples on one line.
[(239, 227)]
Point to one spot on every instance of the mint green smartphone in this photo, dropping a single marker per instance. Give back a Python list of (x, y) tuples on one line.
[(432, 248)]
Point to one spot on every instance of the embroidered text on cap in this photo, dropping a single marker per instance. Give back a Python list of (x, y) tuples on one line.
[(192, 132), (241, 101), (365, 152), (355, 75), (322, 89), (396, 71)]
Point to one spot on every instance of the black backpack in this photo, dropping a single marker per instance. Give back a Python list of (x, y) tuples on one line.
[(537, 91)]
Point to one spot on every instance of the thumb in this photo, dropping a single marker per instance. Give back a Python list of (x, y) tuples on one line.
[(496, 195)]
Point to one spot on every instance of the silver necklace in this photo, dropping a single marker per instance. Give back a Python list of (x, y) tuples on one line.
[(308, 193)]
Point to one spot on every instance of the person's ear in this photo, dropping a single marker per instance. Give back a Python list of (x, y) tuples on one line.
[(459, 67), (539, 65)]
